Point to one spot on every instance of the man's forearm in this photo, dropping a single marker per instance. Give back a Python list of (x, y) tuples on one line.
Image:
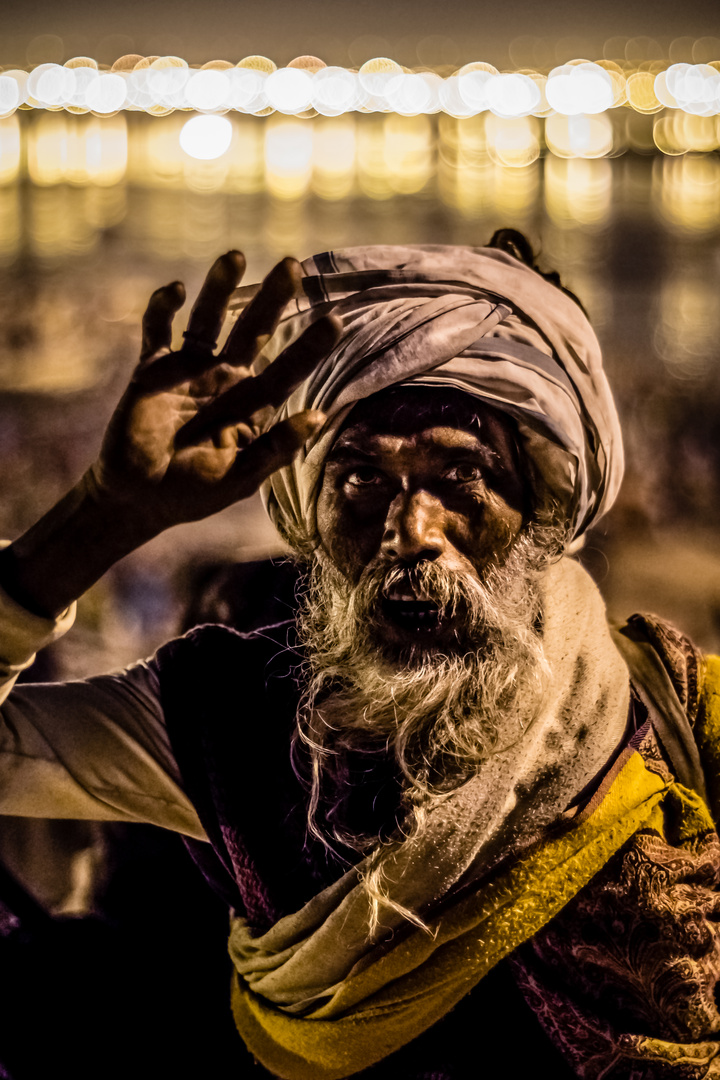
[(68, 550)]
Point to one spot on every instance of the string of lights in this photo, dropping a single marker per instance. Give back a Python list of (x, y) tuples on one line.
[(307, 87)]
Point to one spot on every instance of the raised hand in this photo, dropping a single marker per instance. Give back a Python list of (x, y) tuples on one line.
[(185, 439)]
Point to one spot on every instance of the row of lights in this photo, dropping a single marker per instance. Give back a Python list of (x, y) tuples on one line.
[(308, 87), (62, 219), (383, 154)]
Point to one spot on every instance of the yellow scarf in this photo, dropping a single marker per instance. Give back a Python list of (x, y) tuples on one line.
[(396, 990)]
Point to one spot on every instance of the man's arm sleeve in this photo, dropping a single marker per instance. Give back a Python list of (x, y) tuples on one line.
[(93, 749)]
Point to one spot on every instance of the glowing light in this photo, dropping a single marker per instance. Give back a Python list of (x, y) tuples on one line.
[(247, 89), (140, 93), (308, 86), (452, 101), (106, 154), (206, 137), (288, 159), (335, 91), (84, 72), (434, 82), (289, 90), (408, 94), (513, 142), (514, 190), (372, 169), (579, 88), (20, 78), (579, 136), (690, 192), (687, 323), (407, 153), (156, 156), (166, 79), (51, 85), (9, 150), (512, 95), (47, 150), (640, 89), (578, 192), (679, 132), (311, 64), (333, 158), (617, 78), (9, 95), (207, 90), (695, 88), (472, 85), (662, 93), (246, 164), (258, 63), (107, 94), (374, 75)]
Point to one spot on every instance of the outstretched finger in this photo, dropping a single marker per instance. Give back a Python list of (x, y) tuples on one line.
[(271, 451), (209, 310), (270, 388), (260, 319), (158, 318)]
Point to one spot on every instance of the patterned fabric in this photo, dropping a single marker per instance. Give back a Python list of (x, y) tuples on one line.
[(624, 980), (476, 319), (621, 980), (680, 657)]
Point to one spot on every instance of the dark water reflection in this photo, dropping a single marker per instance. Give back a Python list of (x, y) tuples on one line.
[(637, 238)]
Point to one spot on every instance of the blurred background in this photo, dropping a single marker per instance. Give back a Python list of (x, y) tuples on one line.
[(616, 182), (97, 211)]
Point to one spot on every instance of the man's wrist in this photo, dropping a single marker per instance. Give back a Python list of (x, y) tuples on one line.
[(11, 582), (69, 549)]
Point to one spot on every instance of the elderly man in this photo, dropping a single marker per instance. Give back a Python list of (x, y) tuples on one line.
[(460, 823)]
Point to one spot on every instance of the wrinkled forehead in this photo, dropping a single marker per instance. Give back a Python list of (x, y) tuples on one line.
[(407, 410)]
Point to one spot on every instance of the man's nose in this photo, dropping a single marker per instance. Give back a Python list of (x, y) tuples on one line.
[(414, 527)]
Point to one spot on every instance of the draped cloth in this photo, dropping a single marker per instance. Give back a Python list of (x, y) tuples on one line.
[(476, 319), (317, 994)]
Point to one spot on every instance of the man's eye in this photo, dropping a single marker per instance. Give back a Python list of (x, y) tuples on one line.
[(363, 477), (464, 474)]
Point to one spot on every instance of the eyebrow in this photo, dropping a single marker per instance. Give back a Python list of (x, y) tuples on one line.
[(349, 452)]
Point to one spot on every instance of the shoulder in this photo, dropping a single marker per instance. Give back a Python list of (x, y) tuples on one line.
[(214, 645)]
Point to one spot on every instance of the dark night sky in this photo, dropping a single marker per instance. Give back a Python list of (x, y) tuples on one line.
[(231, 29)]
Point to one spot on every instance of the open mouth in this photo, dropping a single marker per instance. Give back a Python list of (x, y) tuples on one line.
[(411, 613)]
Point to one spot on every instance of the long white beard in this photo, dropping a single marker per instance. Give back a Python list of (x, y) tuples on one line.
[(434, 714)]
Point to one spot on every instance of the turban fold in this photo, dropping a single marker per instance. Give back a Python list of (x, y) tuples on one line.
[(475, 319)]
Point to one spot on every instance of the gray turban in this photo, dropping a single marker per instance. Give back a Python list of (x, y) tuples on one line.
[(476, 319)]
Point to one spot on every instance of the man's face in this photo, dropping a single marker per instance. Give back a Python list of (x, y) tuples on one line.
[(414, 479)]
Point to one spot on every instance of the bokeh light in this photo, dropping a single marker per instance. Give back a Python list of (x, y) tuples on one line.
[(579, 136), (288, 159), (512, 142), (206, 137), (10, 149), (687, 192), (578, 192), (630, 72), (207, 91), (511, 95), (335, 91), (289, 90), (581, 88)]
